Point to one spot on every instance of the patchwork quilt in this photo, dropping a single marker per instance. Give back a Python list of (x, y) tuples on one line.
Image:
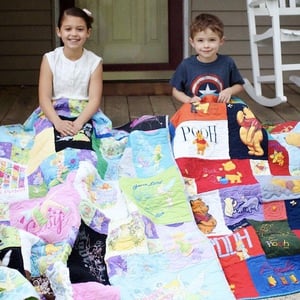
[(242, 180), (202, 206)]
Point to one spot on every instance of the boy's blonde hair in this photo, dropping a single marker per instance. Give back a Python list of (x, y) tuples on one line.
[(204, 21)]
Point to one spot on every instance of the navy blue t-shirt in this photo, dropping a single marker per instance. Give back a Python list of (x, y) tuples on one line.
[(196, 78)]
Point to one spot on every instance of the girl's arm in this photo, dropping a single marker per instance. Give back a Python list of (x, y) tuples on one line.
[(95, 95), (45, 100), (45, 91)]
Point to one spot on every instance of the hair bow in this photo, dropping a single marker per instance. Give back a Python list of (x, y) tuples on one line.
[(87, 12)]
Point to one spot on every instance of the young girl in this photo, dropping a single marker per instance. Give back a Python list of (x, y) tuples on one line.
[(71, 72), (207, 72)]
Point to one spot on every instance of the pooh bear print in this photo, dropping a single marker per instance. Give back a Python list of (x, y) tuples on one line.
[(250, 131), (205, 221), (201, 143)]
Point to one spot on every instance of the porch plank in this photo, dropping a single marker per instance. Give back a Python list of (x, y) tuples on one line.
[(7, 99), (135, 88), (162, 105), (116, 108), (265, 115), (287, 110), (22, 102), (292, 92), (177, 104), (139, 106)]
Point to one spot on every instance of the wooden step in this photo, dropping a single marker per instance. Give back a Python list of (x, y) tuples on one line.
[(136, 88)]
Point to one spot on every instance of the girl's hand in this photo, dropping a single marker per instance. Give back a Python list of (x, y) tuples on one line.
[(225, 95), (77, 126), (64, 127)]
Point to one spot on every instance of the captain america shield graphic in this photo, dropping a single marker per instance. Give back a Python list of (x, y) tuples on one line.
[(206, 85)]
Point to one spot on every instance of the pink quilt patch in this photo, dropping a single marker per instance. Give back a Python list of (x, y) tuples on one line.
[(52, 218)]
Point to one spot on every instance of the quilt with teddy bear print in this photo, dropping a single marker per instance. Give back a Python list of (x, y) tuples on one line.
[(243, 184)]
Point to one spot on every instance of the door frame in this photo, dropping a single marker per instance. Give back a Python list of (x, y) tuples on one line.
[(175, 42)]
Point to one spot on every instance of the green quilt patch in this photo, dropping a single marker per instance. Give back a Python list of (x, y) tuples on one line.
[(161, 198), (276, 238)]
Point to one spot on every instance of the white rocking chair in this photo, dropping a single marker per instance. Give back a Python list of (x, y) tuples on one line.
[(273, 9)]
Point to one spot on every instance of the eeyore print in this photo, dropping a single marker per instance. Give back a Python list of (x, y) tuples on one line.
[(241, 203)]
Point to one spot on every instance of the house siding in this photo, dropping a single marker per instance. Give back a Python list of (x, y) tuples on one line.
[(27, 32)]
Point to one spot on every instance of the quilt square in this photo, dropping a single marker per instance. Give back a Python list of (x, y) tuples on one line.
[(276, 238), (276, 276)]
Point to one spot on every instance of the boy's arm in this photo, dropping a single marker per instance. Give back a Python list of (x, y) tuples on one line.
[(182, 97), (226, 94), (236, 89)]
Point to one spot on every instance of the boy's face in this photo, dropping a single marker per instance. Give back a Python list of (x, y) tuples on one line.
[(206, 44)]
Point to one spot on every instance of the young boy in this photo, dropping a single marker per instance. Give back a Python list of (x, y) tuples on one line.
[(207, 72)]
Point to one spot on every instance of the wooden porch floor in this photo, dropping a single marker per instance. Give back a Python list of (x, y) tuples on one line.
[(123, 102)]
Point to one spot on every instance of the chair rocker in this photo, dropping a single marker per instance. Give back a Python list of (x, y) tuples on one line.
[(274, 9)]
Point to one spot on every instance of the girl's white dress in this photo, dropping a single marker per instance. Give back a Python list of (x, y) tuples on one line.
[(71, 78)]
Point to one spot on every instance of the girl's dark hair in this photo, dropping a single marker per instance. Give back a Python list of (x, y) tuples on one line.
[(76, 12)]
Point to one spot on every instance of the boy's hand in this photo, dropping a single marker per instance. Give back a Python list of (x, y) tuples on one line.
[(195, 99), (225, 95)]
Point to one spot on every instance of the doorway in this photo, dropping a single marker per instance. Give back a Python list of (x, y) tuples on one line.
[(138, 39)]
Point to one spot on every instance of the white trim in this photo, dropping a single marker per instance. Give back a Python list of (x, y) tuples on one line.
[(55, 20), (186, 22)]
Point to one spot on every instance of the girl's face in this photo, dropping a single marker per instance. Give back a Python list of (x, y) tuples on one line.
[(206, 44), (73, 32)]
